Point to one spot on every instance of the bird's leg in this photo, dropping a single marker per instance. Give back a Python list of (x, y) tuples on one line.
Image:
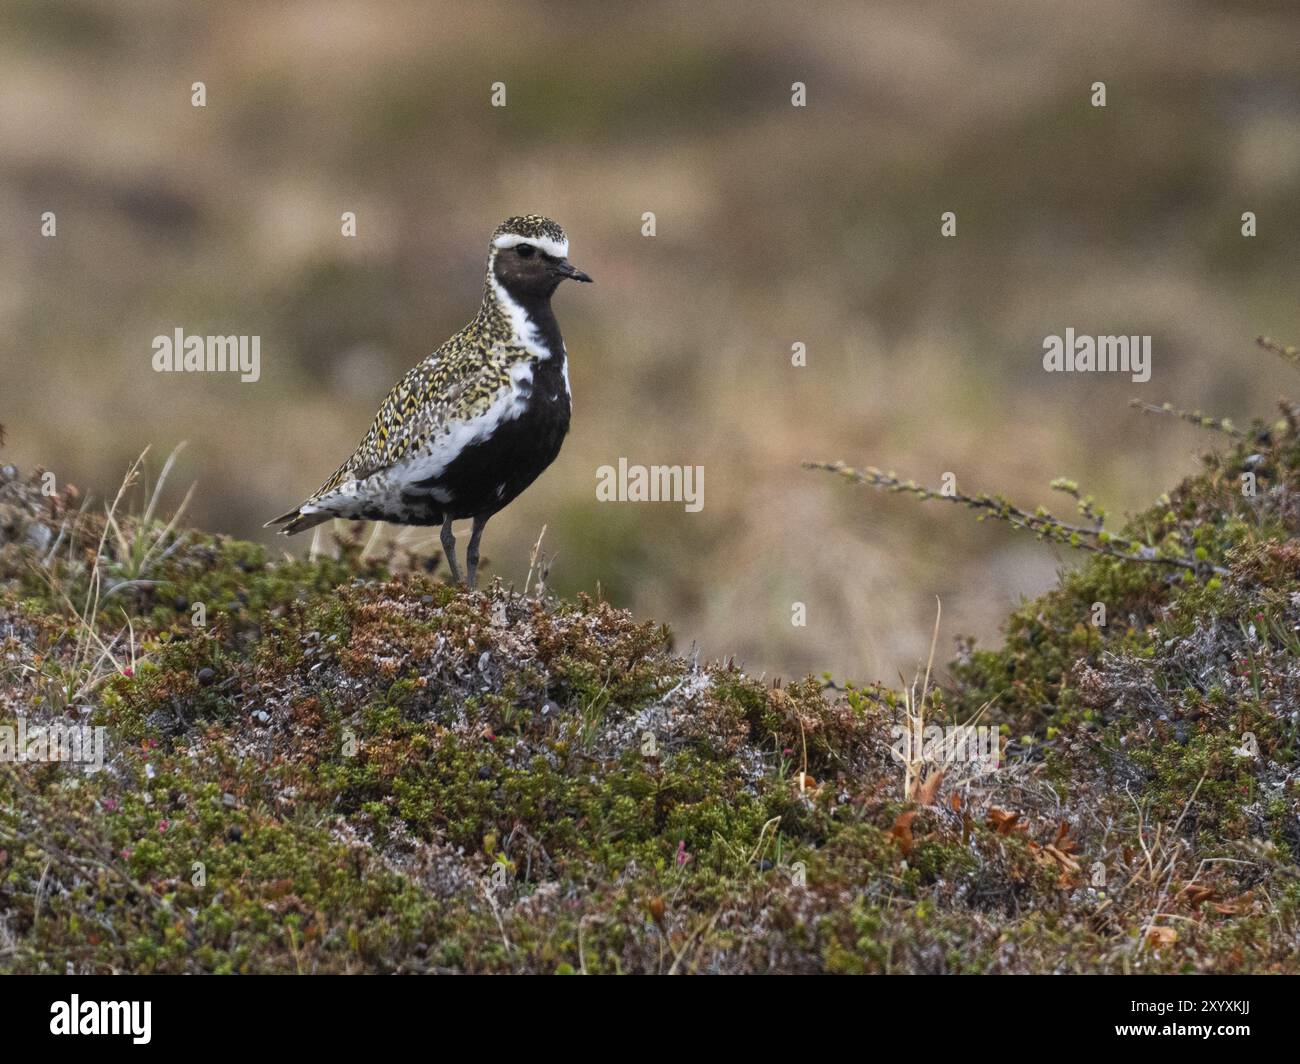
[(449, 548), (471, 553)]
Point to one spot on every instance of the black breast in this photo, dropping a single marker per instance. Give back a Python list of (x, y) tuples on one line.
[(491, 472)]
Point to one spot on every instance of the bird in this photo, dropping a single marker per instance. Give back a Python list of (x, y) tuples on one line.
[(466, 430)]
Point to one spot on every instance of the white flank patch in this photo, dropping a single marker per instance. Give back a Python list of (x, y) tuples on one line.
[(558, 248), (385, 488)]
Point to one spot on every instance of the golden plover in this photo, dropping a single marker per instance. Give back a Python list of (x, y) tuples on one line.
[(470, 427)]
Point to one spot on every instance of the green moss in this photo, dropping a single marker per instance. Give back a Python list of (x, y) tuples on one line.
[(350, 770)]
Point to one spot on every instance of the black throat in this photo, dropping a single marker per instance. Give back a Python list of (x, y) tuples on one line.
[(538, 309)]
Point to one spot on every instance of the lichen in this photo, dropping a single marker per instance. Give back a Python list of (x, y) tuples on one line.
[(351, 766)]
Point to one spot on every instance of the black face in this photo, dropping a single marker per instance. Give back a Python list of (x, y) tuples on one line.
[(525, 270)]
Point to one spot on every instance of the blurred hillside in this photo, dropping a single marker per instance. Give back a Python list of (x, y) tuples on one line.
[(776, 225)]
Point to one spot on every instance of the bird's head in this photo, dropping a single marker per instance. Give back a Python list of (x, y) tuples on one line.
[(529, 257)]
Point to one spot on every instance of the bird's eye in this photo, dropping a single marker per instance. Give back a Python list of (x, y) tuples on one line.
[(525, 250)]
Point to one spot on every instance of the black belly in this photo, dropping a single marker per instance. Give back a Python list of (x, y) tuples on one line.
[(490, 473)]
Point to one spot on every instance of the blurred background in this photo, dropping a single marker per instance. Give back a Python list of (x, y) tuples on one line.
[(775, 225)]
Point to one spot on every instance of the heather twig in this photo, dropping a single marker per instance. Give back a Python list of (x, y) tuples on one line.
[(1284, 351), (1090, 537), (1192, 417)]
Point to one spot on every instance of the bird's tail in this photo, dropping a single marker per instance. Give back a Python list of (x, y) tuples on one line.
[(297, 521)]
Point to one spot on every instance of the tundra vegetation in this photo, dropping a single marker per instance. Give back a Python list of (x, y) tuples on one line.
[(342, 764)]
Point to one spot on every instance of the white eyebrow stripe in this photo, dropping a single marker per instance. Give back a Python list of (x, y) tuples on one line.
[(558, 248)]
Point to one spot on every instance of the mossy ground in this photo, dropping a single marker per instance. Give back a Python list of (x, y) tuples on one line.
[(354, 767)]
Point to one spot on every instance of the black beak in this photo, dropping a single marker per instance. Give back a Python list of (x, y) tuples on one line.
[(566, 269)]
